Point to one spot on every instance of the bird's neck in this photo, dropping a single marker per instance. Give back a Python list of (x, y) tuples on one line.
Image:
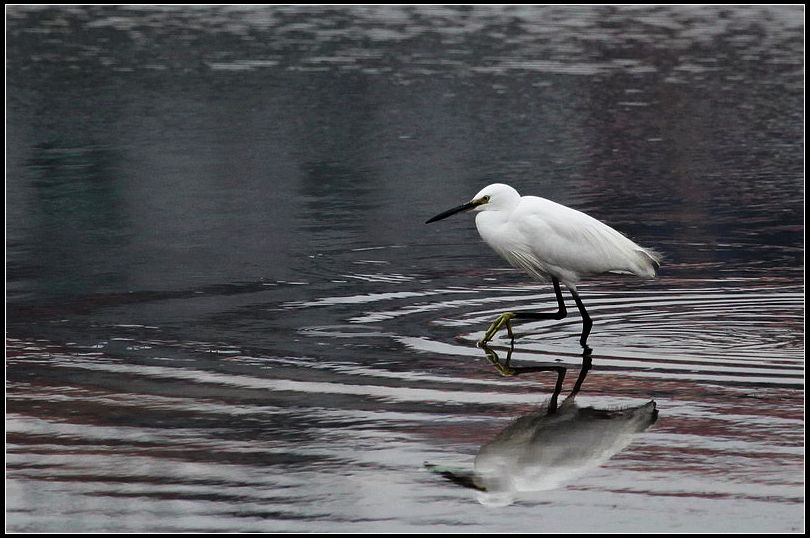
[(489, 224)]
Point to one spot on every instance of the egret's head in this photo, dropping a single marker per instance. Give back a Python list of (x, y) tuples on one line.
[(495, 197)]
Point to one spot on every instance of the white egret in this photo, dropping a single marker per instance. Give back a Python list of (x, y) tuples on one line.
[(553, 242)]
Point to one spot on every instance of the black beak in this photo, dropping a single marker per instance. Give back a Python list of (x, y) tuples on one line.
[(449, 212)]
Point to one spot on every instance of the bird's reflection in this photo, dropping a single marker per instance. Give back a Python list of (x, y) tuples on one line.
[(552, 446)]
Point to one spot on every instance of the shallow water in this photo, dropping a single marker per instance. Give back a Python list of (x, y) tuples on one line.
[(224, 311)]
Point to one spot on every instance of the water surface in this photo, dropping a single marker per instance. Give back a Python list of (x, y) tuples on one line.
[(224, 311)]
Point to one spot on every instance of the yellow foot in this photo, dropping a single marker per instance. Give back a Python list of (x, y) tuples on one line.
[(499, 322)]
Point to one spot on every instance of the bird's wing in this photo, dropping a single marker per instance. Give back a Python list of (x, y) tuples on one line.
[(525, 260), (567, 243)]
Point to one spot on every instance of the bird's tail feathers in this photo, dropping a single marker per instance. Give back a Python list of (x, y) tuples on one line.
[(649, 262)]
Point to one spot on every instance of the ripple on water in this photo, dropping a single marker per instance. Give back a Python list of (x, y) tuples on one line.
[(741, 335), (143, 421)]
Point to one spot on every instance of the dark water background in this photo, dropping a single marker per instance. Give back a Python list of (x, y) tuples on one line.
[(224, 311)]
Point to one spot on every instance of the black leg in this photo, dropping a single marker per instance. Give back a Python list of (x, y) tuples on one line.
[(586, 320), (583, 372), (559, 314)]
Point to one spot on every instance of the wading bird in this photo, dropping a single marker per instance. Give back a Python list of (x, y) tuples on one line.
[(553, 242)]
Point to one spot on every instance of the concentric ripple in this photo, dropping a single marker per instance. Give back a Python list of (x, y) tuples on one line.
[(739, 334), (134, 421)]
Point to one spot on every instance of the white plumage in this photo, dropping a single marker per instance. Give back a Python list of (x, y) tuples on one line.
[(552, 242), (547, 239)]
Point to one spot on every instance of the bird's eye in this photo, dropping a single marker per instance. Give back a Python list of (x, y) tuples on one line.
[(485, 198)]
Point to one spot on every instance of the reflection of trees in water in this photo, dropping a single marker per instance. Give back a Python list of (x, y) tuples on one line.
[(76, 215), (552, 446)]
